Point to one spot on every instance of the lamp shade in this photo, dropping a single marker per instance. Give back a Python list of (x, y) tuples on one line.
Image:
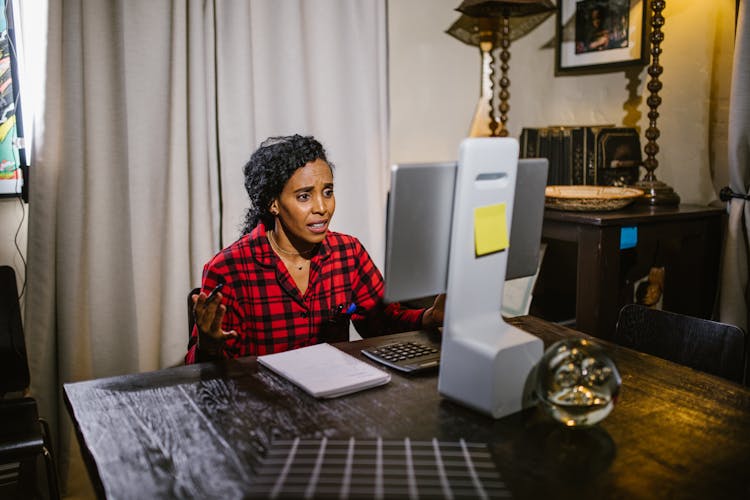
[(466, 28), (501, 8)]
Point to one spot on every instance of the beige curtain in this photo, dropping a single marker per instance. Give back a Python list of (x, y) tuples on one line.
[(151, 109), (734, 294)]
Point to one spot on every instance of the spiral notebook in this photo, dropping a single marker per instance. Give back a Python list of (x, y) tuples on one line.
[(324, 371)]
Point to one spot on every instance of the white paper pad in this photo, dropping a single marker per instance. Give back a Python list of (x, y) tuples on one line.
[(324, 371)]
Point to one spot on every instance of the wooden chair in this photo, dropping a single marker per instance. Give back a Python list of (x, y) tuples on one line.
[(709, 346), (23, 435)]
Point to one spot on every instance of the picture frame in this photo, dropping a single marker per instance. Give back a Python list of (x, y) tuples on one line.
[(596, 36), (13, 165)]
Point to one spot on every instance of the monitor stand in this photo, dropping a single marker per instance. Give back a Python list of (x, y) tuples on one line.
[(485, 362)]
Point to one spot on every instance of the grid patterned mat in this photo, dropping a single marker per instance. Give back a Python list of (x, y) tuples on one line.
[(322, 468)]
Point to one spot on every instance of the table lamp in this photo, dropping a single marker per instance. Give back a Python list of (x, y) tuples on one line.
[(655, 192), (490, 24)]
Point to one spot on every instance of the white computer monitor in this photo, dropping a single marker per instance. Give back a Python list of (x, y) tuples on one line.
[(418, 226), (432, 247)]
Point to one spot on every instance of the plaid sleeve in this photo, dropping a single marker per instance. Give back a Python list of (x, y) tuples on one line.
[(214, 272), (373, 317)]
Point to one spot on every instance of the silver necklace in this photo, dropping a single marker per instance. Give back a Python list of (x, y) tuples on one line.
[(276, 247)]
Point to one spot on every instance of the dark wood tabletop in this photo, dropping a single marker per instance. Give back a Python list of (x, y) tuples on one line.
[(201, 431), (633, 214)]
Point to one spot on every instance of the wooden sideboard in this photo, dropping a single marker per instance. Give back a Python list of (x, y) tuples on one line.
[(587, 277)]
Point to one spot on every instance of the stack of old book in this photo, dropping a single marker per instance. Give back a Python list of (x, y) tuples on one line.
[(602, 155)]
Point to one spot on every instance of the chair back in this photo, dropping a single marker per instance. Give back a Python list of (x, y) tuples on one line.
[(14, 366), (20, 425), (23, 435), (709, 346)]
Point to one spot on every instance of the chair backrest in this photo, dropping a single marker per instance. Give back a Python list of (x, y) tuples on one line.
[(709, 346), (14, 366), (20, 423)]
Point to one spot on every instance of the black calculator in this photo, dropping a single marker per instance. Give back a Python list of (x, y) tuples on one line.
[(405, 356)]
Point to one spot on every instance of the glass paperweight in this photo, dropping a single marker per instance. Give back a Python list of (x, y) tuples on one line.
[(577, 383)]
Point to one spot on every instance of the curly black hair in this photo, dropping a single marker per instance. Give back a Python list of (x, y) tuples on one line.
[(269, 169)]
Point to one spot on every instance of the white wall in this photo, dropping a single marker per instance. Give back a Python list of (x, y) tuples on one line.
[(434, 81), (434, 86), (13, 218)]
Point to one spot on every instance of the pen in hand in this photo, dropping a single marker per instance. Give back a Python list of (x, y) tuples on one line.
[(214, 292), (209, 298), (207, 342)]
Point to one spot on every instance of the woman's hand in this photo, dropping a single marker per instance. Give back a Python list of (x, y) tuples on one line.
[(208, 316), (433, 317)]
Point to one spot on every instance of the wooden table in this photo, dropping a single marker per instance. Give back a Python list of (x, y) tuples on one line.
[(200, 431), (584, 269)]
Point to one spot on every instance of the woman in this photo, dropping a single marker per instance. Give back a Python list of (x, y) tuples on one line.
[(289, 282)]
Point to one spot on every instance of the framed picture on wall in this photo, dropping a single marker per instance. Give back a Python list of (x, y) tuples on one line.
[(12, 156), (600, 35)]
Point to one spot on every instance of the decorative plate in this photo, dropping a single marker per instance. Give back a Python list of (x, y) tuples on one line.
[(589, 198)]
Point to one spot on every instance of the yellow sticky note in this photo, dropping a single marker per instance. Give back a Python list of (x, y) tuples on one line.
[(490, 229)]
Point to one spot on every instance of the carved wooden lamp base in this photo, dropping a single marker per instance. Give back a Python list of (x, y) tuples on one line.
[(656, 193)]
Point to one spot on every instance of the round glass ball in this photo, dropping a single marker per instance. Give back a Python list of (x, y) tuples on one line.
[(577, 383)]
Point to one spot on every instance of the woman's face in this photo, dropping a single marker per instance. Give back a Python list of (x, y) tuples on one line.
[(306, 204)]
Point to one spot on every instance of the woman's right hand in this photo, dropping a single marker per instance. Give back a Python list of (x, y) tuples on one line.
[(209, 315)]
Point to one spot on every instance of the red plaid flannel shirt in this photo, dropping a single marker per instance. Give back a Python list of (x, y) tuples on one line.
[(266, 309)]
